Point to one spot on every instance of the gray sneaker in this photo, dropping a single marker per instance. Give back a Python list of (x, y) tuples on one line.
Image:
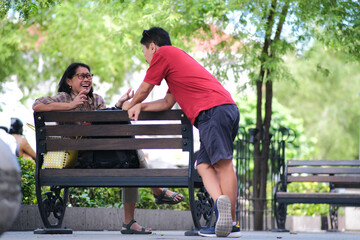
[(223, 224)]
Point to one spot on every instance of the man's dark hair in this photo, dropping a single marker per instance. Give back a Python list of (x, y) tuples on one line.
[(156, 35), (70, 73)]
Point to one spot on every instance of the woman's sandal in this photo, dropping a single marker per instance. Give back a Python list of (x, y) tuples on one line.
[(162, 199), (131, 231)]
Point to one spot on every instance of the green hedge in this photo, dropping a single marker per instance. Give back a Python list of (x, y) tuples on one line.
[(94, 196)]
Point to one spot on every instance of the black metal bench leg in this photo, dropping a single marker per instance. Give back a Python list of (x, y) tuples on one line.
[(280, 212), (334, 211), (52, 207), (201, 210)]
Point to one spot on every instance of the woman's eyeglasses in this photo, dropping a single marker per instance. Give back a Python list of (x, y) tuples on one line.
[(83, 76)]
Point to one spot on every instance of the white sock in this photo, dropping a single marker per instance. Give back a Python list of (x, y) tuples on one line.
[(234, 223)]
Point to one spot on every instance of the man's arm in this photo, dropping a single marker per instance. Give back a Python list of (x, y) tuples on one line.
[(140, 95), (157, 106)]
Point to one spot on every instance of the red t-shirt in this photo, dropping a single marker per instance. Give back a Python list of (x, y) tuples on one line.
[(192, 86)]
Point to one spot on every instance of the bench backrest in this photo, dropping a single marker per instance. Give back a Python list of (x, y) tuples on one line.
[(111, 130), (340, 173)]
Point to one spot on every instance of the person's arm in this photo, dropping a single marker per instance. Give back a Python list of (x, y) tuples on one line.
[(157, 106), (80, 99), (54, 106), (140, 95), (28, 149)]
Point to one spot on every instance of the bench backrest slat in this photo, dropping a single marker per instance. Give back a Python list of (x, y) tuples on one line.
[(113, 130), (107, 115), (114, 144), (323, 163), (323, 170), (339, 172), (335, 179)]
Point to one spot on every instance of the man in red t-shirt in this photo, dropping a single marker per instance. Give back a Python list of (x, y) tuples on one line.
[(209, 106)]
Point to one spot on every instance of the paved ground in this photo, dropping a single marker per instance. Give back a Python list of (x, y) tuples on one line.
[(159, 235)]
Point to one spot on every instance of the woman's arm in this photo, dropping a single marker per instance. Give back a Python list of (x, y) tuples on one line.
[(58, 103), (54, 106)]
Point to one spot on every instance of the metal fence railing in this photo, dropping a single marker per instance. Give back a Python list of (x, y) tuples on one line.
[(244, 152)]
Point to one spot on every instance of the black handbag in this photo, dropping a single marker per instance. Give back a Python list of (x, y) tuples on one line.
[(108, 158)]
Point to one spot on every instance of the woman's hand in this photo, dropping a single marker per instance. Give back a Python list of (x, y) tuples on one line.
[(80, 99), (128, 95)]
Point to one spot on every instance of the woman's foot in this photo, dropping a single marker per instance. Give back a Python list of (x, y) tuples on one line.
[(133, 228), (166, 196)]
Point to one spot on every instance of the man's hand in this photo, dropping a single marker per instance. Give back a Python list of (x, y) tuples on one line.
[(134, 112)]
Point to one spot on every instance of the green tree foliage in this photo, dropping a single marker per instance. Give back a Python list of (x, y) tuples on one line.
[(103, 34), (15, 54), (323, 94), (298, 145)]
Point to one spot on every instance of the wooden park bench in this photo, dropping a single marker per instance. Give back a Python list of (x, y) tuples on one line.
[(337, 173), (154, 130)]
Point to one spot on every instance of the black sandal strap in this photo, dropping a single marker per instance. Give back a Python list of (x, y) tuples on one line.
[(127, 226), (162, 194)]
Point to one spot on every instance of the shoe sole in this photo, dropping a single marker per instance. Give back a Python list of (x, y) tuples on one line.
[(234, 235), (223, 225), (231, 235), (206, 235)]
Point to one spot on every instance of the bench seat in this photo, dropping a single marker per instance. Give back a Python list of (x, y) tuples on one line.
[(115, 177)]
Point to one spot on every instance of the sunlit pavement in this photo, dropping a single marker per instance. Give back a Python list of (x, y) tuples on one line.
[(180, 235)]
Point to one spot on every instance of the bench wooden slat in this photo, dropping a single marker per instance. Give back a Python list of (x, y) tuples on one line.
[(114, 115), (323, 170), (113, 130), (323, 163), (114, 144), (323, 198), (124, 172), (318, 195), (115, 177), (334, 179)]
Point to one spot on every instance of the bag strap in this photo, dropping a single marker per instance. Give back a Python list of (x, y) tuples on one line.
[(30, 126)]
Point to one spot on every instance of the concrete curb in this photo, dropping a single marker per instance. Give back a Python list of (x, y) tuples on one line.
[(98, 219)]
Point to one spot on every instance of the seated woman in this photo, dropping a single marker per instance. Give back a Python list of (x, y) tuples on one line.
[(75, 92), (25, 150)]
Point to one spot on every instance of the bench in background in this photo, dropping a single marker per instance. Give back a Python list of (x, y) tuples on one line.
[(337, 173)]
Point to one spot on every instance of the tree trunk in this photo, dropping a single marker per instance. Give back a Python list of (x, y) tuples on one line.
[(260, 160), (262, 149)]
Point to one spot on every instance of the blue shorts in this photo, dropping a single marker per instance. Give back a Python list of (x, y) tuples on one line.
[(218, 127)]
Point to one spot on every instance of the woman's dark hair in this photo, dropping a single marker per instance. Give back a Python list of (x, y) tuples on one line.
[(156, 35), (16, 126), (70, 73)]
